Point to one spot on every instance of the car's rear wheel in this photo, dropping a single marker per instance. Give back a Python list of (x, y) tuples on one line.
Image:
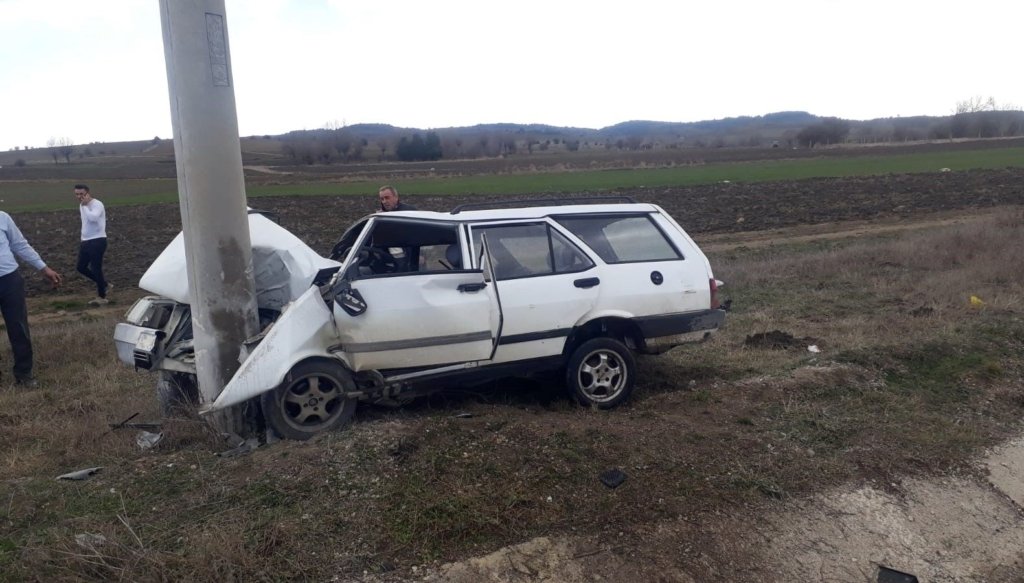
[(601, 372), (310, 400)]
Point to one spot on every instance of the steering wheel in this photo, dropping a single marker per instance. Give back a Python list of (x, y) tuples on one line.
[(377, 259), (339, 251)]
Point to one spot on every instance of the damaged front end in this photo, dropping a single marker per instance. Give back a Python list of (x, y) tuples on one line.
[(156, 335)]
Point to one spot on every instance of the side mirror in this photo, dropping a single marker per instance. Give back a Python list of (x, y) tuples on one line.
[(349, 299)]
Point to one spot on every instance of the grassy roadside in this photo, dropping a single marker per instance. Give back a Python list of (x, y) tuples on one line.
[(51, 195), (911, 378)]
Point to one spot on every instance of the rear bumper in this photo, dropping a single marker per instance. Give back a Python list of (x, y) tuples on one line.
[(660, 333)]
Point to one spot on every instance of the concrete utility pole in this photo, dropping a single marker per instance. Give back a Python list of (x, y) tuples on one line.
[(211, 191)]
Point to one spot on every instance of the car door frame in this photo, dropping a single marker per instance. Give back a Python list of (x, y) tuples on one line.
[(366, 345), (536, 344)]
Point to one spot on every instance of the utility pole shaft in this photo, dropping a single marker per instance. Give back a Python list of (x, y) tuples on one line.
[(211, 191)]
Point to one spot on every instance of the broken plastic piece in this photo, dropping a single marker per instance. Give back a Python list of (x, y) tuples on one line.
[(887, 575), (80, 474), (148, 440), (233, 439), (613, 478), (88, 540), (813, 348), (249, 445)]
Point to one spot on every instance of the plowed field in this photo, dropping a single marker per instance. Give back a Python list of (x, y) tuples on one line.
[(138, 233)]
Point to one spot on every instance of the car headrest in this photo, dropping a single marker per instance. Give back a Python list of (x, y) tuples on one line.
[(453, 254)]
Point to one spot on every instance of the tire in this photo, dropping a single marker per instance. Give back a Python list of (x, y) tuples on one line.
[(601, 373), (177, 393), (310, 400)]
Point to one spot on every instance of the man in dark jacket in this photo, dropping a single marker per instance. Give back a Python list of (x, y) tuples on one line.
[(389, 200)]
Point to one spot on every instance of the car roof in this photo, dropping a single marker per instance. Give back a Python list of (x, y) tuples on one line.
[(535, 212)]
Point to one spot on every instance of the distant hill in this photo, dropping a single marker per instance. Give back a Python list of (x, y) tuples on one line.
[(769, 130), (773, 123), (378, 142)]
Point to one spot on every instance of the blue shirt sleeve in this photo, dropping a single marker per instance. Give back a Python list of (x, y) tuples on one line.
[(19, 245)]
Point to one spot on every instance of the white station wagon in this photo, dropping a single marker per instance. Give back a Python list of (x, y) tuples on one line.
[(413, 301)]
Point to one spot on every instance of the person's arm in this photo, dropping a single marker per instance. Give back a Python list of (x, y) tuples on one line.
[(25, 252), (20, 247)]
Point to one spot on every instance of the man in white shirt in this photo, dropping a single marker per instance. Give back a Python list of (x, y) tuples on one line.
[(12, 294), (94, 241)]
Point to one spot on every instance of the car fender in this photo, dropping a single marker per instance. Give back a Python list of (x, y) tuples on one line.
[(304, 330), (598, 314)]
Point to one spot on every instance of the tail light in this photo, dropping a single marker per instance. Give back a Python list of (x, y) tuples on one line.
[(713, 284)]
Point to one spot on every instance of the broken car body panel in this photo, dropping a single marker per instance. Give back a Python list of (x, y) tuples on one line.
[(303, 331), (283, 266)]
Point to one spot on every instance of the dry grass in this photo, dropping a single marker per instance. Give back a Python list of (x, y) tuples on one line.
[(911, 379)]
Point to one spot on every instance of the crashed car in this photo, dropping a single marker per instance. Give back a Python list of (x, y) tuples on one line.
[(157, 334), (412, 301)]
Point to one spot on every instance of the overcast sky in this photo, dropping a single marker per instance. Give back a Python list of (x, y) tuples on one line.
[(95, 71)]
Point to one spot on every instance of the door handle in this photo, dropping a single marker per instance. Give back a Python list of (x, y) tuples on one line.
[(586, 282), (471, 287)]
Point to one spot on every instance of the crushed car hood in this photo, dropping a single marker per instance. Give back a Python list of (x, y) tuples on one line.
[(283, 266)]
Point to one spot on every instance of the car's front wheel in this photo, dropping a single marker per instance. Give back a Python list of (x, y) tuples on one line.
[(310, 400), (601, 372)]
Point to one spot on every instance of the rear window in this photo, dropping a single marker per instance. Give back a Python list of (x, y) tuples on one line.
[(622, 239)]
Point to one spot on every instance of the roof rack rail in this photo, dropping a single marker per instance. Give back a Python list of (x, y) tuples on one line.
[(528, 202)]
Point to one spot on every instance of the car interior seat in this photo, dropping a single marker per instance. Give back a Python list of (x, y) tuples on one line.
[(453, 255)]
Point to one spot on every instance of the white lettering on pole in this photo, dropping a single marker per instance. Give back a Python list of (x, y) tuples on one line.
[(218, 49)]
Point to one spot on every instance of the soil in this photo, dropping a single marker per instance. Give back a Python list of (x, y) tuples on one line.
[(945, 530), (137, 234)]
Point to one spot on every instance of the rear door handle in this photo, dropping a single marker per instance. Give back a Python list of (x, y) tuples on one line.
[(471, 287), (586, 282)]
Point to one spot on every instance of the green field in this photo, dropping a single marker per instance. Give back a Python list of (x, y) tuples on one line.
[(54, 194)]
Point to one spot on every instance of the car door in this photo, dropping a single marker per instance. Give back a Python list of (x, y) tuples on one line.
[(413, 313), (548, 284)]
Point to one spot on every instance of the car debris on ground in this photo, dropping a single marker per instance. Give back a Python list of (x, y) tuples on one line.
[(148, 440), (80, 474), (613, 478)]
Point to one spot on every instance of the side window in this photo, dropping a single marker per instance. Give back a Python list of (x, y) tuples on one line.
[(529, 250), (568, 257), (622, 238)]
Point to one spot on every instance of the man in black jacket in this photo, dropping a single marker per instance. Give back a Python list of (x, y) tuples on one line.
[(389, 200)]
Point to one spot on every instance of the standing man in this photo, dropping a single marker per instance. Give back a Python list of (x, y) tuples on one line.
[(12, 295), (94, 241), (389, 200)]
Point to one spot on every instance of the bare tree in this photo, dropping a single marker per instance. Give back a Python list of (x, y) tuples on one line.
[(975, 104), (51, 144), (66, 147)]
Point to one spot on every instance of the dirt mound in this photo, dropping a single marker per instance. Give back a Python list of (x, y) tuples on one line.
[(779, 340)]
